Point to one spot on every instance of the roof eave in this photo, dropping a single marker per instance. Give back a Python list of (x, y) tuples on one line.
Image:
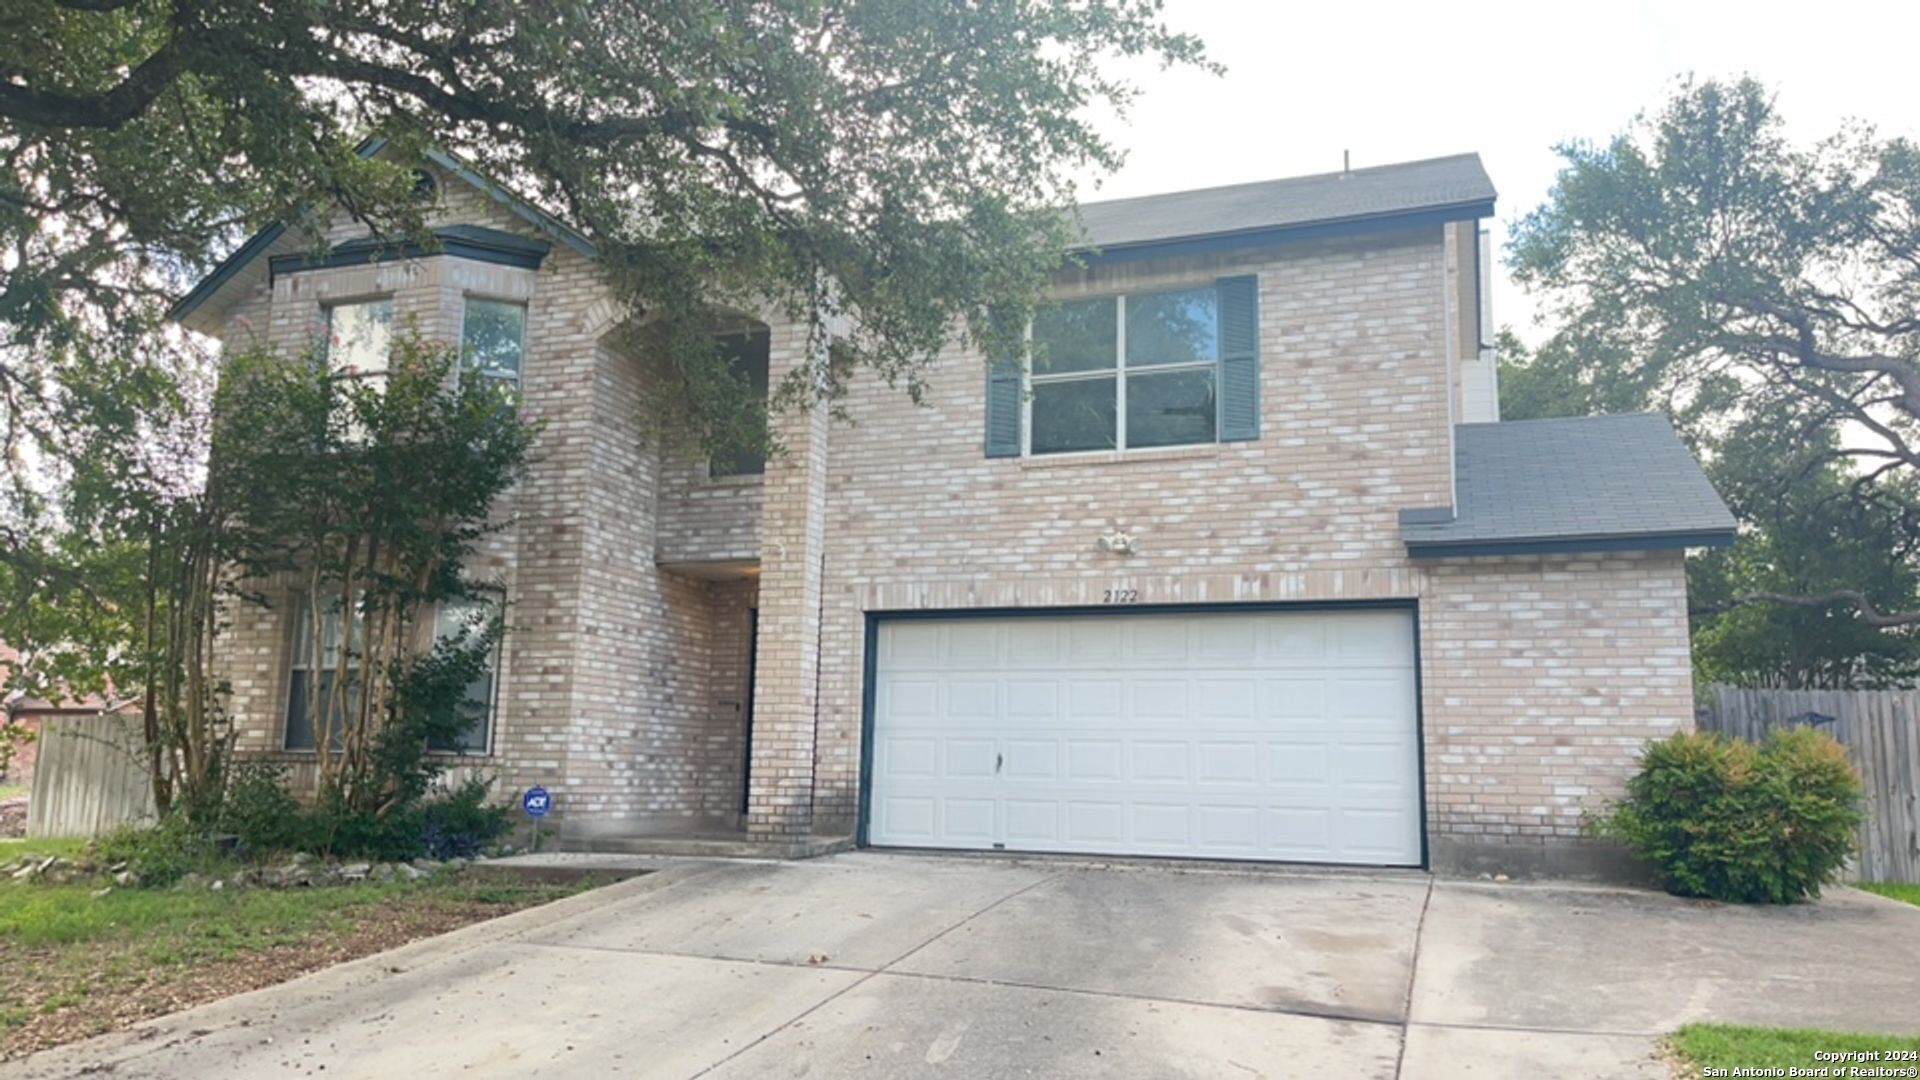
[(1598, 543), (1203, 243)]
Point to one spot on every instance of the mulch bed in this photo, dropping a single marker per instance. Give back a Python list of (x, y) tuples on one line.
[(31, 977)]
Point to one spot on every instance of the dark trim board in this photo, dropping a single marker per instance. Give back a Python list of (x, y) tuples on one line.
[(1571, 545), (1306, 230), (869, 683)]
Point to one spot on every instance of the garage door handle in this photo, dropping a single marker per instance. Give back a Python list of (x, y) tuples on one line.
[(998, 760)]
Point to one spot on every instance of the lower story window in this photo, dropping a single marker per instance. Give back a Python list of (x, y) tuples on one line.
[(455, 621), (313, 705)]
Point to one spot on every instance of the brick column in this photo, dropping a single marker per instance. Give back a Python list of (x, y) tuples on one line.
[(786, 689)]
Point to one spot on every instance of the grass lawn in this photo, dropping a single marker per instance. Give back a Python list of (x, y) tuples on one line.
[(1718, 1046), (73, 964), (1907, 893), (9, 791), (11, 849)]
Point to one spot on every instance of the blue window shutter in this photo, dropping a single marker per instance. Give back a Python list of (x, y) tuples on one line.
[(1239, 396), (1003, 409)]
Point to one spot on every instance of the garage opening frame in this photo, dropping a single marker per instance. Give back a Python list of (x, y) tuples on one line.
[(869, 675)]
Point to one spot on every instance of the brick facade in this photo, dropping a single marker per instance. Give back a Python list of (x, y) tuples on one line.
[(633, 575)]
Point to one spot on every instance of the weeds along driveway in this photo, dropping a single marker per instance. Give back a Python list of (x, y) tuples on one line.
[(884, 965)]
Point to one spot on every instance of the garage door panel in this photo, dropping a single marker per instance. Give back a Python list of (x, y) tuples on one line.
[(1156, 641), (1034, 643), (1090, 762), (1031, 822), (1272, 735), (1156, 761), (1099, 642), (1095, 703), (970, 759), (909, 757), (1032, 759), (1227, 763), (1095, 825)]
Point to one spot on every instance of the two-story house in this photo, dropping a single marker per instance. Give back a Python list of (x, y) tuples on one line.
[(1244, 567)]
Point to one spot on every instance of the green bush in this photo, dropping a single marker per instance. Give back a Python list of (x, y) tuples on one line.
[(1716, 817), (261, 811), (157, 855), (462, 823)]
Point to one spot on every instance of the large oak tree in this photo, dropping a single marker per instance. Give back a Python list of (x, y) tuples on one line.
[(1767, 295), (897, 163)]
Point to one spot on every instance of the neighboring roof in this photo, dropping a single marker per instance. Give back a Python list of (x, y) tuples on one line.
[(1595, 483), (245, 265), (1447, 188)]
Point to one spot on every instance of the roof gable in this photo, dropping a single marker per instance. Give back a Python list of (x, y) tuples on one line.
[(199, 308)]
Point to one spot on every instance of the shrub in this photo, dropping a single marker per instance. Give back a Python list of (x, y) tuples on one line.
[(157, 855), (1716, 817), (262, 812), (462, 823)]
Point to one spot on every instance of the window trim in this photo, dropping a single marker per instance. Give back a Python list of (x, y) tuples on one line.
[(1119, 372)]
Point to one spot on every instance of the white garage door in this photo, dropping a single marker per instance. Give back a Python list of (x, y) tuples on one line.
[(1286, 736)]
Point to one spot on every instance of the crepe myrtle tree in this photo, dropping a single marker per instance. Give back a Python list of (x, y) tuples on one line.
[(896, 166), (370, 496), (1702, 261)]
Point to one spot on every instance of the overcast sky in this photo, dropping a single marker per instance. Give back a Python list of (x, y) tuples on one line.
[(1401, 81)]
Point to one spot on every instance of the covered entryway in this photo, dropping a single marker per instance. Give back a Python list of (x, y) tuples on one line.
[(1274, 734)]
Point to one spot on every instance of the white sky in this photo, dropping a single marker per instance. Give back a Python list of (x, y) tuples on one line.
[(1401, 81)]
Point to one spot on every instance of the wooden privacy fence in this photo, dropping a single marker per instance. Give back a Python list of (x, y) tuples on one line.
[(1878, 729), (90, 777)]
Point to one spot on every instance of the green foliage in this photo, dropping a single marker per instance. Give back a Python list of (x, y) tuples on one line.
[(1733, 821), (718, 153), (463, 823), (1726, 1047), (267, 819), (1762, 294), (158, 855), (14, 737), (261, 812), (1906, 894)]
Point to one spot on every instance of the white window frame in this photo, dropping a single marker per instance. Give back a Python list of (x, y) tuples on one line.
[(1118, 373), (301, 660)]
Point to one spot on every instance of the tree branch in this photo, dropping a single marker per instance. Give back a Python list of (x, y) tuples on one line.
[(1853, 598)]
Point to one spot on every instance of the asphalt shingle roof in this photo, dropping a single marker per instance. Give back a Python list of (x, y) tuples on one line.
[(1612, 480), (1360, 194)]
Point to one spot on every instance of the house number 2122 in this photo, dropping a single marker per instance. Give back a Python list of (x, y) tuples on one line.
[(1123, 596)]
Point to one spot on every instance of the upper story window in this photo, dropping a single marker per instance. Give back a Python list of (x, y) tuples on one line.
[(359, 339), (493, 340), (1125, 371), (749, 354), (1175, 367)]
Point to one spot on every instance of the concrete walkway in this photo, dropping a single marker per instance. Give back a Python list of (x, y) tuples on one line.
[(873, 965)]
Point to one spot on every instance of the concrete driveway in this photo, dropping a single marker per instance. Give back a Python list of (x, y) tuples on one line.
[(873, 965)]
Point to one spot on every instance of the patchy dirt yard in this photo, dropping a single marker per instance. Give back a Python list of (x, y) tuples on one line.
[(75, 963)]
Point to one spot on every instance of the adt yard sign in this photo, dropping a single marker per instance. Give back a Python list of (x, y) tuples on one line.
[(536, 802)]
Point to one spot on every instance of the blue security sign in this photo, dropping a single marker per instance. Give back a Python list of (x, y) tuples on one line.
[(536, 802)]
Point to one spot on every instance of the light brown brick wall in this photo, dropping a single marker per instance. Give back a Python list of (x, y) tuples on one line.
[(605, 693), (625, 686)]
